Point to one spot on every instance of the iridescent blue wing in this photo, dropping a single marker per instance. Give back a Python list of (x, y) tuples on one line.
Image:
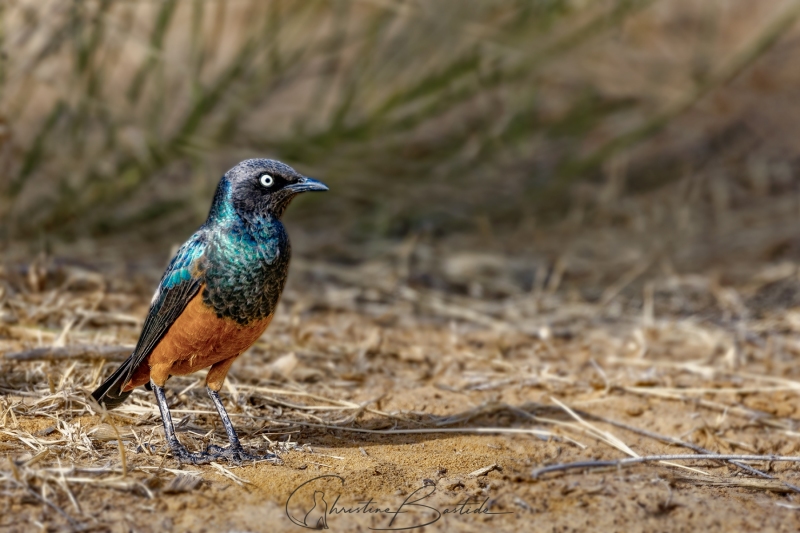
[(178, 286)]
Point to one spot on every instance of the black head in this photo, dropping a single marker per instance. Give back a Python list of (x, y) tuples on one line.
[(257, 187)]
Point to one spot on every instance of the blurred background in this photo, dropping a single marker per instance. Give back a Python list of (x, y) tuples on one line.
[(609, 131)]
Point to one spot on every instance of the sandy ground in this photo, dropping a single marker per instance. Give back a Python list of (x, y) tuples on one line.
[(419, 405)]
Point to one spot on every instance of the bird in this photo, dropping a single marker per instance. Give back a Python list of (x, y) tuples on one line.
[(216, 298)]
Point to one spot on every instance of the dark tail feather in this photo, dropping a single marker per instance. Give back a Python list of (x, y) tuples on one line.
[(110, 392)]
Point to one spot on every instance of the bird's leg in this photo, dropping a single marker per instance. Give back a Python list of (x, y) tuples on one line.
[(226, 421), (179, 451), (234, 453)]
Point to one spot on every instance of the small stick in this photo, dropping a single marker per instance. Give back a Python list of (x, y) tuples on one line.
[(698, 449), (655, 458)]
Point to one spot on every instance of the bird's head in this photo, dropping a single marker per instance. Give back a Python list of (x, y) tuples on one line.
[(258, 187)]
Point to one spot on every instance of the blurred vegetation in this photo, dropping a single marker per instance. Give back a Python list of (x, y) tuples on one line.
[(422, 116)]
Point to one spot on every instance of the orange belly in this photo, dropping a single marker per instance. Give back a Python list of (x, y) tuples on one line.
[(197, 339)]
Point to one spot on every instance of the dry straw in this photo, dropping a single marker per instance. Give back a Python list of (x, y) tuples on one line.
[(563, 373)]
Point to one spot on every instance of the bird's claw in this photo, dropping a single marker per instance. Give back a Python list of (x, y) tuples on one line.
[(185, 457), (235, 455)]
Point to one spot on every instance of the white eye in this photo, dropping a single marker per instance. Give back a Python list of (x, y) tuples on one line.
[(266, 180)]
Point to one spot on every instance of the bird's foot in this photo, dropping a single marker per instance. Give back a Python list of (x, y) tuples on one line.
[(237, 455), (185, 457)]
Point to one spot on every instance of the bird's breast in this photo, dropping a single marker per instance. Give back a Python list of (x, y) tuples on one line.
[(245, 271), (197, 339)]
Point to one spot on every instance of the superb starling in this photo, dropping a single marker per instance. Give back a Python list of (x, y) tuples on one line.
[(216, 297)]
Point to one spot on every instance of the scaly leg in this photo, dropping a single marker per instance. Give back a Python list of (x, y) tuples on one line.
[(178, 450), (234, 453)]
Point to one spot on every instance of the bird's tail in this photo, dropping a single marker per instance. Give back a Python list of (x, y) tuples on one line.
[(110, 393)]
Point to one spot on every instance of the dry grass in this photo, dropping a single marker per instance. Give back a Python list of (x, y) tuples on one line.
[(368, 374)]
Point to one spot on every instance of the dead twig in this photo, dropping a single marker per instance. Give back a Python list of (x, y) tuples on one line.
[(772, 485), (658, 458), (699, 449)]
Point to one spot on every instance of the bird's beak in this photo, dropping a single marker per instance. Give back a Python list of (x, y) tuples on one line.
[(307, 184)]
